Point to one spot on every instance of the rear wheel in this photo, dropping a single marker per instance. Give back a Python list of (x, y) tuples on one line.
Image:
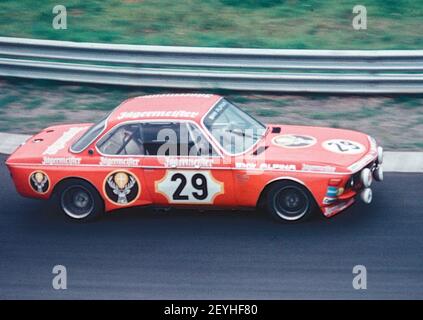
[(289, 201), (79, 200)]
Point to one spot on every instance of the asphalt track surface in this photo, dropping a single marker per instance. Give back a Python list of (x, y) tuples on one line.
[(140, 254)]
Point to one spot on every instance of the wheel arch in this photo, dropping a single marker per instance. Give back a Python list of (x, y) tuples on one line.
[(262, 197), (66, 179)]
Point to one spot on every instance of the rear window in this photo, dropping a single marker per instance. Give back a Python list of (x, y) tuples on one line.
[(89, 136)]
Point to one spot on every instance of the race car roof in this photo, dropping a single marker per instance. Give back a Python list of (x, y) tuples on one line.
[(164, 106)]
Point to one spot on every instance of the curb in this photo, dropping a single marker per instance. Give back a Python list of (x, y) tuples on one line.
[(403, 161), (393, 161), (10, 141)]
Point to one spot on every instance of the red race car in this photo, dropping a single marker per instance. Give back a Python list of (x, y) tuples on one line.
[(195, 150)]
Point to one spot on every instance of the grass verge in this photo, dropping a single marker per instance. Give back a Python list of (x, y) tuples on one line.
[(300, 24)]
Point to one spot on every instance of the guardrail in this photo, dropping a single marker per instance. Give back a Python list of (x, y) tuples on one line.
[(331, 71)]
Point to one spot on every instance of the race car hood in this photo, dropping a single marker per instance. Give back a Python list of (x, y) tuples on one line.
[(319, 148), (52, 142)]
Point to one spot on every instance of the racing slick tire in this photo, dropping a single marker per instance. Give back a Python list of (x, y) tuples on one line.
[(289, 202), (79, 201)]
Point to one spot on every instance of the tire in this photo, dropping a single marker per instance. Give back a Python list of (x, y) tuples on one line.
[(289, 202), (79, 201)]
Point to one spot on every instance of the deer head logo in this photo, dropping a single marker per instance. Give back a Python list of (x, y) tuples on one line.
[(39, 181), (121, 187)]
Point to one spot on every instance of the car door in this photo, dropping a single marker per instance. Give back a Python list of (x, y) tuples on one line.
[(119, 156), (182, 167)]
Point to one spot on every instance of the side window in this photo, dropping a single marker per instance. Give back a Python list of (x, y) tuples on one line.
[(124, 140), (199, 145), (174, 139), (156, 139), (160, 138)]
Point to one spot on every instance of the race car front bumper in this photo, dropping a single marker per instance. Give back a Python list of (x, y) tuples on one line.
[(339, 198)]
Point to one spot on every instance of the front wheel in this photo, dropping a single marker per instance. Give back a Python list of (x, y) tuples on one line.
[(79, 200), (289, 201)]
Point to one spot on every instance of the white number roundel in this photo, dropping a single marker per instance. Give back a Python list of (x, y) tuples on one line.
[(188, 186), (343, 146)]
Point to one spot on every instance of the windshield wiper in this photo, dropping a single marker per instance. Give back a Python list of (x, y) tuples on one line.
[(240, 133)]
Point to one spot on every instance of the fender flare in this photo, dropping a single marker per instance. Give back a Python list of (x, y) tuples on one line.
[(263, 193)]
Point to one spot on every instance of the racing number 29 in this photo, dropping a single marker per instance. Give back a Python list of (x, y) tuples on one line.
[(198, 182)]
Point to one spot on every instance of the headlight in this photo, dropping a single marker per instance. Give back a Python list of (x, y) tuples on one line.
[(378, 173), (367, 195), (366, 177)]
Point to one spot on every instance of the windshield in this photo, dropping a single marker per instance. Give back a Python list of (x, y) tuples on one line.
[(89, 136), (235, 130)]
